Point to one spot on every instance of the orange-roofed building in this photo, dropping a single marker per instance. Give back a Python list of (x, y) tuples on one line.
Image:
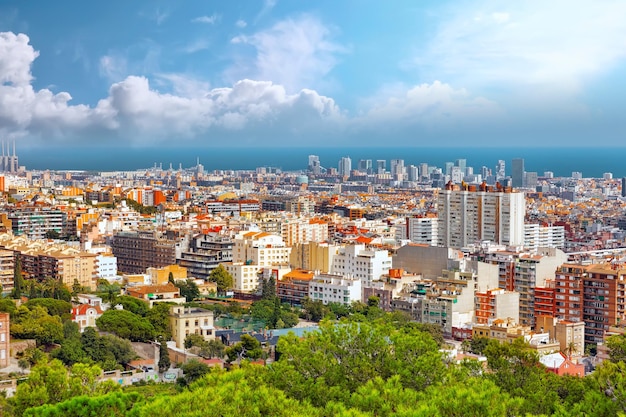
[(294, 287), (156, 293), (85, 315)]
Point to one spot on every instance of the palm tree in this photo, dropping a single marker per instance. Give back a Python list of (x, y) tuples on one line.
[(571, 349)]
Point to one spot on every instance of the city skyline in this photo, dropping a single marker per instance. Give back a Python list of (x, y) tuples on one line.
[(278, 73)]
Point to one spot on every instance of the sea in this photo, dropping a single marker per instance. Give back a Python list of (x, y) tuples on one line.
[(562, 161)]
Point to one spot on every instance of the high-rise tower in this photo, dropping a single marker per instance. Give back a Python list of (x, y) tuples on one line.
[(517, 172)]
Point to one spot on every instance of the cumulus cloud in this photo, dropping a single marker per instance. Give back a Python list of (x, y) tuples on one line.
[(295, 53), (16, 57), (135, 110), (241, 23), (182, 108)]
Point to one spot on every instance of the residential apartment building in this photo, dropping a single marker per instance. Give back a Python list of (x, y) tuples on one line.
[(423, 229), (496, 304), (313, 256), (604, 304), (358, 262), (253, 251), (138, 251), (539, 236), (40, 259), (523, 273), (205, 253), (36, 222), (293, 288), (334, 288), (5, 340), (294, 231), (190, 320), (7, 269), (473, 215)]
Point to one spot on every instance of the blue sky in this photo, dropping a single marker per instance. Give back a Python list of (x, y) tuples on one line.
[(325, 73)]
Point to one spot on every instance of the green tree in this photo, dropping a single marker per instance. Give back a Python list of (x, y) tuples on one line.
[(314, 310), (50, 383), (132, 304), (616, 346), (268, 289), (18, 279), (8, 306), (213, 349), (248, 348), (222, 278), (159, 317), (188, 289), (247, 395), (53, 306), (36, 323), (126, 325), (170, 278), (164, 356), (114, 404), (194, 370)]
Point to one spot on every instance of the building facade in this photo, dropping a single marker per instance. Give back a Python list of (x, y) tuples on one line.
[(138, 251), (191, 320), (470, 216)]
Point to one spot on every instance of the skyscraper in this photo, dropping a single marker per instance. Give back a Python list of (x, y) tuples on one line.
[(314, 165), (623, 186), (500, 170), (381, 166), (397, 169), (517, 172), (345, 166), (365, 165)]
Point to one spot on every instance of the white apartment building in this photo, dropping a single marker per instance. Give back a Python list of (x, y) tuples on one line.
[(334, 288), (423, 230), (365, 264), (106, 266), (466, 217), (294, 231), (537, 236), (253, 251)]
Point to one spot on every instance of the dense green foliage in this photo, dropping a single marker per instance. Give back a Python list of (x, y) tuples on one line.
[(107, 351), (383, 366), (188, 289), (222, 278), (126, 325)]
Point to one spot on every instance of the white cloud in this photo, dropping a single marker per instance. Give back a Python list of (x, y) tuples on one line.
[(210, 20), (16, 57), (295, 53), (556, 44), (241, 23), (436, 107), (135, 110), (113, 67), (139, 111)]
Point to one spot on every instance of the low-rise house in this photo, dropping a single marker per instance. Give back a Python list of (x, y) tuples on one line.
[(156, 293), (85, 315), (191, 320), (560, 364)]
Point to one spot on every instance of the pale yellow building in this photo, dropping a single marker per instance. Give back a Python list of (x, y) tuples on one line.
[(190, 320), (159, 276), (313, 256)]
